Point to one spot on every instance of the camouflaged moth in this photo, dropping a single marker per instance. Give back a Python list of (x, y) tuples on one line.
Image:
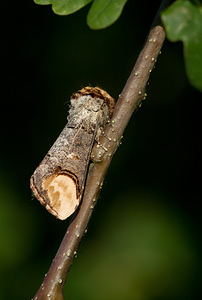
[(58, 182)]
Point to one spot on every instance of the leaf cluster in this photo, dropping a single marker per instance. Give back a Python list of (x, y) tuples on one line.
[(102, 13), (182, 21)]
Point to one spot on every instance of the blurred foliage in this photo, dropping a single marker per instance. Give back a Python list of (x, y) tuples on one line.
[(183, 22), (143, 250), (143, 240)]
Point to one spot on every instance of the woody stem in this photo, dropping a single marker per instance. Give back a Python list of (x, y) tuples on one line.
[(129, 100)]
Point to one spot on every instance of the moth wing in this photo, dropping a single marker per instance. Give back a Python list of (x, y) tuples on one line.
[(58, 182)]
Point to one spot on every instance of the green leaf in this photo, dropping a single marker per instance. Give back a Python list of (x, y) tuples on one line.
[(101, 14), (104, 12), (66, 7), (183, 22), (43, 2)]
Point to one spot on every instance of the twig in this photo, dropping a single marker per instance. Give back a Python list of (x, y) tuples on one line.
[(129, 100)]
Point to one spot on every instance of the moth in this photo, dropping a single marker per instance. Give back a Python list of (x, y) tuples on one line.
[(58, 182)]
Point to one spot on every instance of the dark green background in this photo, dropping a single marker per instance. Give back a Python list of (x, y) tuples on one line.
[(143, 240)]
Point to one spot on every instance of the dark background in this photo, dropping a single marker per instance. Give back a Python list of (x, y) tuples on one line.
[(143, 239)]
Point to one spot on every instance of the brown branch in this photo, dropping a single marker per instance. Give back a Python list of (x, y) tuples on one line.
[(129, 100)]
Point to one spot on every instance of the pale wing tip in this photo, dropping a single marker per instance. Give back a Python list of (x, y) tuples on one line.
[(61, 198), (62, 195)]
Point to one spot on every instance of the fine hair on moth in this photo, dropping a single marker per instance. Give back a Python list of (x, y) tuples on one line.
[(58, 182)]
